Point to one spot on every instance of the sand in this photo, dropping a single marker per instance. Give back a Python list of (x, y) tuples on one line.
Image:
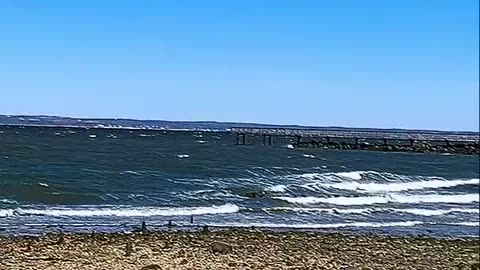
[(236, 249)]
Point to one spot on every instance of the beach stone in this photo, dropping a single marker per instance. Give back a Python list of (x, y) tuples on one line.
[(151, 267), (220, 247)]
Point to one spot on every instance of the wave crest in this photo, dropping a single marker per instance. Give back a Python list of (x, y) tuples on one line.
[(127, 211), (391, 198)]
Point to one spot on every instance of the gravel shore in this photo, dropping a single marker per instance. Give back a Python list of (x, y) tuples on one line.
[(236, 249)]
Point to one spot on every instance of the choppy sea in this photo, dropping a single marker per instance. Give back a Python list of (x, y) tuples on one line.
[(79, 180)]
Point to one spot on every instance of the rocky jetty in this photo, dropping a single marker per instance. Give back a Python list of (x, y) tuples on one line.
[(236, 249), (463, 148)]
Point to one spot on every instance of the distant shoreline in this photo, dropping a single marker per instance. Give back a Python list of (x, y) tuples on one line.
[(121, 123)]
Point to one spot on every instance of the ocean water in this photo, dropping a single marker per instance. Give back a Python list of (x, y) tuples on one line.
[(60, 179)]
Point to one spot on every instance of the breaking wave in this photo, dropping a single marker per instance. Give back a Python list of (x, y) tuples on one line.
[(390, 198), (124, 211), (413, 211), (395, 187)]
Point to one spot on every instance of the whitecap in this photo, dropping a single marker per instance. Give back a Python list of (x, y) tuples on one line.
[(436, 212), (277, 188), (469, 224), (391, 198), (389, 187), (131, 211), (8, 201), (92, 136), (253, 173), (130, 172), (6, 212), (322, 210), (289, 146), (183, 156), (355, 175), (42, 184), (413, 211), (308, 156)]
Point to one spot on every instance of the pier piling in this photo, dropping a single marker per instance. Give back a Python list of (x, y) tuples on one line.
[(241, 138), (267, 139)]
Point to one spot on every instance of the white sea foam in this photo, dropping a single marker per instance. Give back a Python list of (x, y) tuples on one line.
[(414, 211), (395, 187), (436, 212), (8, 201), (6, 212), (183, 156), (289, 146), (469, 224), (391, 198), (356, 175), (321, 226), (253, 173), (364, 181), (277, 188), (323, 210), (131, 172), (42, 184), (308, 156), (130, 211), (353, 175), (93, 136)]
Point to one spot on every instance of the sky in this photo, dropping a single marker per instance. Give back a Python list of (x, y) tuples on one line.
[(370, 63)]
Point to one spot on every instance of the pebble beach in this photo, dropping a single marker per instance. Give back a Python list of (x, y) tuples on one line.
[(236, 249)]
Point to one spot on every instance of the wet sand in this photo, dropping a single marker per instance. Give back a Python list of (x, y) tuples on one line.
[(236, 249)]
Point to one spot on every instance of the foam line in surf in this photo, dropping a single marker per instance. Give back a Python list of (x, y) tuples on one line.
[(321, 226), (468, 224), (391, 198), (413, 211), (396, 187), (6, 212), (126, 211), (436, 212)]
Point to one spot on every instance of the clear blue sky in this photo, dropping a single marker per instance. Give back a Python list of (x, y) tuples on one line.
[(369, 63)]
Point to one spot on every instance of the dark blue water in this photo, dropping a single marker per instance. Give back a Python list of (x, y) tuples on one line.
[(110, 180)]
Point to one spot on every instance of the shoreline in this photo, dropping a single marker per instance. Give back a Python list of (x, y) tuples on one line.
[(236, 249)]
